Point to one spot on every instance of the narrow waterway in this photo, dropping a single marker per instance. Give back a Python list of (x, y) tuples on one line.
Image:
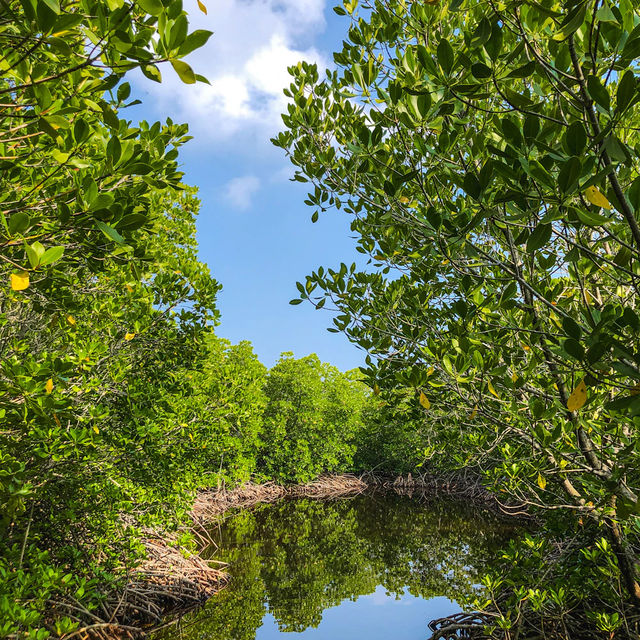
[(375, 566)]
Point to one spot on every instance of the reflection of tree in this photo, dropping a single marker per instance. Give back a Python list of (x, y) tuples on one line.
[(297, 558)]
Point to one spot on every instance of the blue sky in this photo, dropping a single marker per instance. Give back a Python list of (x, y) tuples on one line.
[(254, 231)]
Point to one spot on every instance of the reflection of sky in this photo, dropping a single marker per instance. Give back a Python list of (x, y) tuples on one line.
[(377, 616)]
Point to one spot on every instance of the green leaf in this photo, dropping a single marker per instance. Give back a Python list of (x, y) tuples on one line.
[(110, 232), (295, 301), (184, 71), (109, 116), (539, 237), (178, 32), (114, 149), (194, 41), (80, 130), (32, 255), (598, 93), (590, 218), (615, 148), (575, 138), (634, 194), (59, 156), (622, 257), (51, 255), (152, 72), (627, 91), (137, 168), (445, 56), (493, 46), (419, 105), (571, 328), (572, 22), (124, 91), (480, 70), (604, 14), (524, 71), (54, 5), (153, 7), (511, 131), (569, 174), (531, 127), (19, 222), (472, 185), (102, 201), (132, 221)]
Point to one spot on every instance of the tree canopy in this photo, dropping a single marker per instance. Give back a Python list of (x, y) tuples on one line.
[(488, 156)]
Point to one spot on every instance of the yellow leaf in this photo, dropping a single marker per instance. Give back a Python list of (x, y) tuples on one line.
[(430, 371), (129, 336), (129, 288), (19, 281), (96, 430), (376, 389), (542, 482), (404, 200), (594, 196), (578, 397), (514, 377), (424, 401), (474, 413), (492, 390), (71, 320), (55, 417), (526, 347), (48, 387), (202, 7)]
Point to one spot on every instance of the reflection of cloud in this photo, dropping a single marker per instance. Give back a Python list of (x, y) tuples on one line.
[(246, 62), (240, 191), (381, 597)]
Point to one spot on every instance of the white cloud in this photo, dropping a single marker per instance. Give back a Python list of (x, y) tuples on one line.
[(240, 191), (246, 62)]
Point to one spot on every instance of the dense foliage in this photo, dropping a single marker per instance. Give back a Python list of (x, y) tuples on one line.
[(488, 155), (117, 400), (314, 416), (99, 280)]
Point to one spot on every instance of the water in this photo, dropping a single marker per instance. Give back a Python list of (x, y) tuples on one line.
[(375, 566)]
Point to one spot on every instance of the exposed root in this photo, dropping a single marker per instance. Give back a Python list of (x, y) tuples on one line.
[(329, 487), (459, 625), (210, 504), (169, 579), (462, 485)]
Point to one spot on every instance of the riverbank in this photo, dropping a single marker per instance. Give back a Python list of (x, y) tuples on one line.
[(173, 578)]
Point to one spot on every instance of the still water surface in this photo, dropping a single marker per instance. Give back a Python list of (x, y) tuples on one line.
[(376, 566)]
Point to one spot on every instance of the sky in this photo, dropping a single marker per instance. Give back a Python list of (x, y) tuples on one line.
[(254, 230)]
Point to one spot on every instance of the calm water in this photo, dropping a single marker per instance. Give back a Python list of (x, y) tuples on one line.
[(377, 567)]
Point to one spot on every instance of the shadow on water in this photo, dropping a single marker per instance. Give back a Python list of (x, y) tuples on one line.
[(374, 566)]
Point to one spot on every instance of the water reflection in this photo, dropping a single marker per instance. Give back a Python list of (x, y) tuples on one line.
[(293, 562)]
